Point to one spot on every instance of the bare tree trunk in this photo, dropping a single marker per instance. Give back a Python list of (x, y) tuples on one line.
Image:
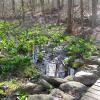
[(69, 22), (42, 6), (82, 16), (73, 3), (3, 8), (53, 7), (62, 3), (88, 4), (32, 7), (23, 12), (58, 7), (42, 17), (13, 6), (58, 4), (94, 12)]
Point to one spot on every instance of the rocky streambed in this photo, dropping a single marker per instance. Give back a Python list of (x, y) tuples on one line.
[(68, 88)]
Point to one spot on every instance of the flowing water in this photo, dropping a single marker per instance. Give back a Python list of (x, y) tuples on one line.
[(53, 68)]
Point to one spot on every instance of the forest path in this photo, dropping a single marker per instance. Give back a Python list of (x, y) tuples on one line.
[(93, 93)]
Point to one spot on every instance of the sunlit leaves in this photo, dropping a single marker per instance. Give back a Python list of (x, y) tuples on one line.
[(79, 46)]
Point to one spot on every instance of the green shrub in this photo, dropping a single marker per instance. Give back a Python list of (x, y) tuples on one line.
[(28, 71), (77, 63), (66, 60), (40, 56), (14, 81), (76, 50), (10, 64), (22, 95), (80, 48), (18, 66)]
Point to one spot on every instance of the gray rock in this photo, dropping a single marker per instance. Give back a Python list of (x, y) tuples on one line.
[(41, 97), (4, 88), (94, 69), (45, 84), (32, 88), (6, 99), (54, 81), (93, 60), (73, 88), (61, 95), (69, 78), (86, 78)]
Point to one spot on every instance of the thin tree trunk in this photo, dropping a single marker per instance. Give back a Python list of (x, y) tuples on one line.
[(3, 8), (69, 22), (42, 17), (42, 6), (23, 12), (82, 16), (58, 7), (13, 6), (94, 12), (62, 3), (32, 7)]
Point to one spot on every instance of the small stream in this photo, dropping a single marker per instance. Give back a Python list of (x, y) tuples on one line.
[(53, 67)]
